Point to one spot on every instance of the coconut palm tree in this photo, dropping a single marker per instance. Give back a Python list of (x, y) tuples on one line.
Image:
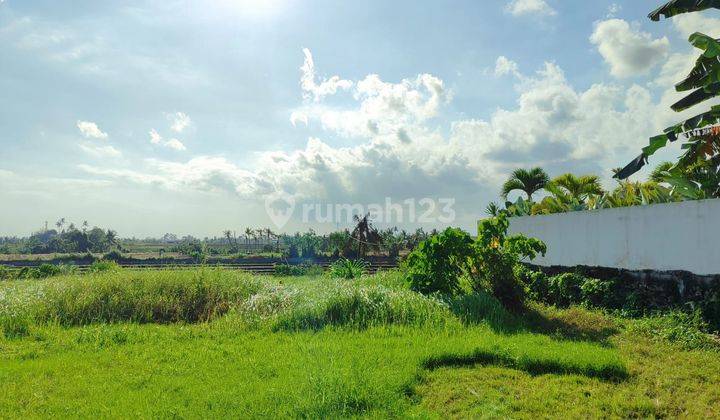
[(577, 187), (526, 181), (365, 234)]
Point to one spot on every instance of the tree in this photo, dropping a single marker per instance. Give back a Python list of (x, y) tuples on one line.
[(365, 235), (578, 188), (526, 181), (695, 174), (492, 209)]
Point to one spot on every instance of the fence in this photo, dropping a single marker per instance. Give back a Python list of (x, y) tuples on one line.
[(663, 237)]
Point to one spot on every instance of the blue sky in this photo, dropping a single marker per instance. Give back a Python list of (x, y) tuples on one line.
[(186, 116)]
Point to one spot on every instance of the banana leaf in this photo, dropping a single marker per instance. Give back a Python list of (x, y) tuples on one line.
[(707, 66), (700, 95), (676, 7), (671, 134)]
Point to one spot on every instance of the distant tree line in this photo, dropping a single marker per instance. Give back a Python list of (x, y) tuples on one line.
[(67, 238)]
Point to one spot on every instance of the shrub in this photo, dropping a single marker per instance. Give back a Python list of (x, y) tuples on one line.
[(113, 255), (536, 282), (288, 270), (688, 330), (103, 266), (497, 255), (348, 269), (565, 289), (601, 293), (437, 263)]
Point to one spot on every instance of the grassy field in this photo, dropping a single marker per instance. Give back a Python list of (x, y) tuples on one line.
[(212, 343)]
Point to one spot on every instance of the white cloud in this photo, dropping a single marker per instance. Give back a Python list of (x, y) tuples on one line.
[(175, 144), (504, 66), (530, 7), (298, 117), (157, 139), (314, 90), (383, 107), (90, 130), (105, 151), (689, 23), (627, 50), (613, 10), (399, 153), (179, 121)]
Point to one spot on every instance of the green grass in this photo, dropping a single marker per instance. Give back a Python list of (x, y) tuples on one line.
[(212, 343)]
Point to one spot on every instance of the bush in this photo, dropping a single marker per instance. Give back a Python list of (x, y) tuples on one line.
[(287, 270), (103, 266), (497, 255), (688, 330), (565, 289), (113, 255), (536, 282), (348, 269), (437, 263)]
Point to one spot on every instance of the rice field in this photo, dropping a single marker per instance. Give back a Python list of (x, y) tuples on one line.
[(215, 343)]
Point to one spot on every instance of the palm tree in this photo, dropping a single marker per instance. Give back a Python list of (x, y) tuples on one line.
[(578, 188), (248, 234), (658, 174), (526, 181), (492, 209), (365, 234), (60, 223)]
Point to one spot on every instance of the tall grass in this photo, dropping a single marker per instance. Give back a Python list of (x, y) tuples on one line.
[(365, 306), (118, 296)]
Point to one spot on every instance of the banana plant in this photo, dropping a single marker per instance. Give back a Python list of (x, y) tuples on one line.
[(701, 131)]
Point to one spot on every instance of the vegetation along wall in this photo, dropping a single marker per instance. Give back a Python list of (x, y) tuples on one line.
[(663, 237)]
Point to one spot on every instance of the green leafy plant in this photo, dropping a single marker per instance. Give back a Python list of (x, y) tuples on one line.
[(102, 266), (496, 255), (348, 269), (437, 263)]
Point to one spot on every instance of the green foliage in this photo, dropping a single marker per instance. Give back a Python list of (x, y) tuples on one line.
[(158, 297), (364, 307), (527, 181), (686, 329), (104, 266), (298, 270), (348, 269), (566, 289), (6, 273), (437, 263), (495, 259)]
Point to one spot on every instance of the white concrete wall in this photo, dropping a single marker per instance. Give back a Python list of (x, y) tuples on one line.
[(674, 236)]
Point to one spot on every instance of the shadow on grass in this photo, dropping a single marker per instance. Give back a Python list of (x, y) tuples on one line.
[(575, 324), (608, 372)]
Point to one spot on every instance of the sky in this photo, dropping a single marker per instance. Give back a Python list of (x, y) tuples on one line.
[(193, 117)]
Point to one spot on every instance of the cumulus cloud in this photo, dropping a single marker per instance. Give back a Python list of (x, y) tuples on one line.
[(179, 121), (628, 51), (398, 152), (157, 139), (530, 7), (383, 107), (317, 90), (91, 130)]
